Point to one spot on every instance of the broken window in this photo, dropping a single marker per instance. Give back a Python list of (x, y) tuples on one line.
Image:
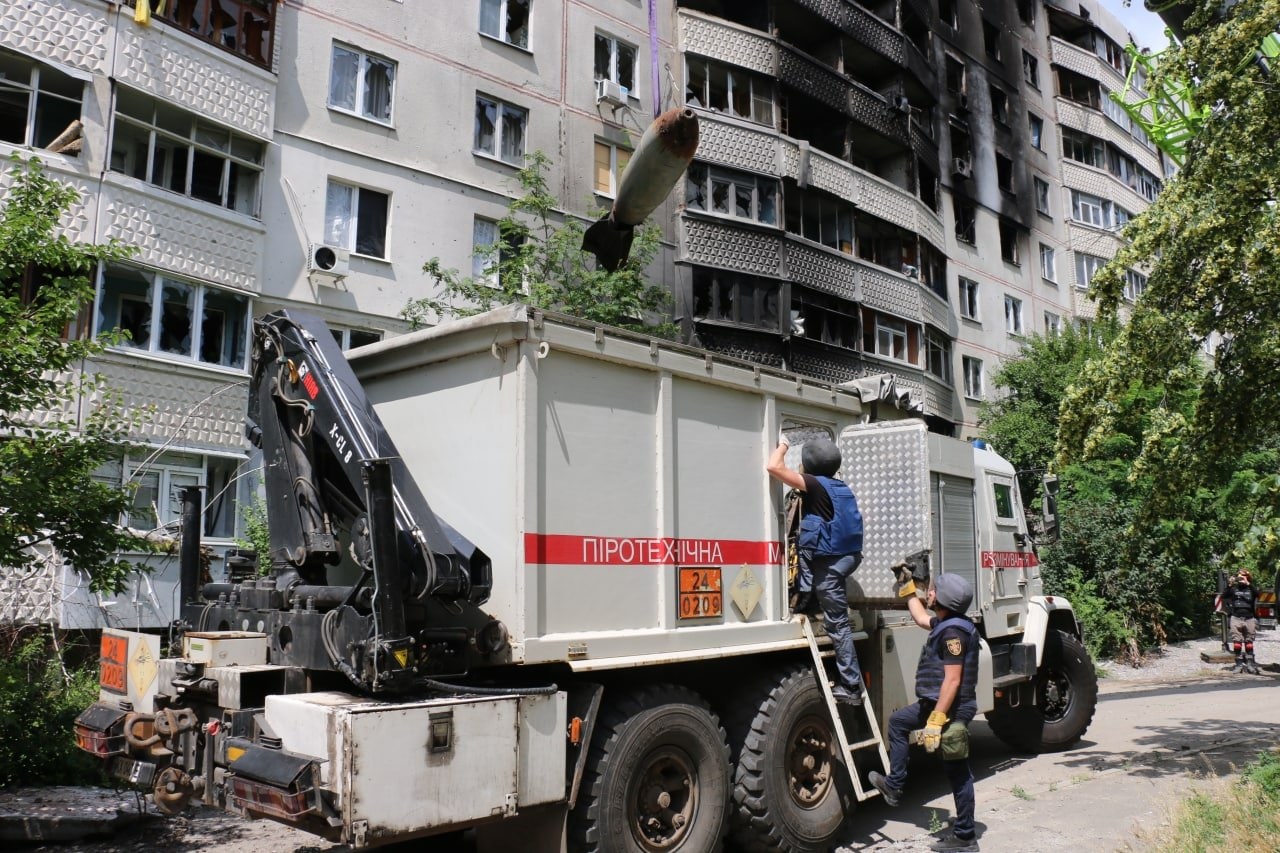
[(732, 193), (39, 105), (1009, 243), (886, 337), (243, 27), (352, 338), (972, 377), (821, 317), (507, 20), (968, 298), (966, 221), (1012, 315), (735, 298), (173, 149), (159, 316), (356, 219), (616, 62), (999, 105), (362, 84), (500, 130), (491, 250), (822, 218), (160, 479), (715, 86), (1004, 173), (1042, 196), (938, 355)]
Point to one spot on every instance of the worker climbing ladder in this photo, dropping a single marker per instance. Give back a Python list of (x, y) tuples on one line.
[(848, 749)]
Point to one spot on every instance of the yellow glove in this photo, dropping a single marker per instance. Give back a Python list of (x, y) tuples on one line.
[(906, 584), (931, 736)]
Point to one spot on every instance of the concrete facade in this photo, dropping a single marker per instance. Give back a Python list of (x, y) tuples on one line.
[(866, 172)]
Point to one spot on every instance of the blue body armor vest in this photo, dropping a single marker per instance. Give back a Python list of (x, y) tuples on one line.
[(929, 669), (840, 536)]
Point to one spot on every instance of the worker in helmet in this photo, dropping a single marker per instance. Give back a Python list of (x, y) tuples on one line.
[(830, 546), (1241, 597), (946, 691)]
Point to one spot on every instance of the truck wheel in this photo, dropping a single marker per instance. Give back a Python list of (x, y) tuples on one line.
[(1066, 696), (788, 792), (656, 778)]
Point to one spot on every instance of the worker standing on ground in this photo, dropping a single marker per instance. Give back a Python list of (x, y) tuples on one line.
[(1242, 596), (946, 691), (830, 546)]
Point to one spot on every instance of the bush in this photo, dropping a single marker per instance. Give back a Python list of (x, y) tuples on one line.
[(39, 702)]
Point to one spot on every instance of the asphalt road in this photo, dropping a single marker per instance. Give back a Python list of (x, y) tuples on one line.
[(1149, 744)]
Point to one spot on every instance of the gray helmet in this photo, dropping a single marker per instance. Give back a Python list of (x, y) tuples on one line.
[(953, 592), (820, 457)]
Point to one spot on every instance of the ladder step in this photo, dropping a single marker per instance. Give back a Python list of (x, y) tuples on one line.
[(863, 744)]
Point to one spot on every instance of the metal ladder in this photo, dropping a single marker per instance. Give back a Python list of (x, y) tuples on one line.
[(847, 748)]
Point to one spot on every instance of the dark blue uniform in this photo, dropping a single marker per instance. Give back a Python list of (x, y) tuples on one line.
[(830, 545)]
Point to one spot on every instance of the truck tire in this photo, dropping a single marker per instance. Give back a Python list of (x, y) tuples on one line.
[(1066, 696), (788, 790), (656, 777)]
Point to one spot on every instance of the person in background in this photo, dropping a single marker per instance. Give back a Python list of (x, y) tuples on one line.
[(946, 691), (830, 546), (1240, 599)]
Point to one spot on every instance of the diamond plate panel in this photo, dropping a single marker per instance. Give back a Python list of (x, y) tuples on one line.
[(28, 596), (70, 32), (884, 291), (824, 362), (822, 270), (725, 246), (828, 173), (78, 220), (887, 466), (763, 348), (225, 90), (191, 407), (1073, 58), (790, 160), (1092, 241), (721, 142), (929, 225), (886, 201), (1080, 118), (180, 238), (865, 28), (1102, 184), (815, 80), (934, 310), (718, 40), (872, 110), (939, 399)]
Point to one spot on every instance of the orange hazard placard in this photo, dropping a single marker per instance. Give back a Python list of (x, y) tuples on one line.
[(114, 655), (700, 595)]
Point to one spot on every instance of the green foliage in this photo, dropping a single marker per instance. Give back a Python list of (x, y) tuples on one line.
[(257, 532), (39, 702), (1241, 815), (1211, 242), (538, 260), (47, 461)]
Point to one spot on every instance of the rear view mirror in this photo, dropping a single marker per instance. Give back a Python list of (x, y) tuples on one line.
[(1049, 508)]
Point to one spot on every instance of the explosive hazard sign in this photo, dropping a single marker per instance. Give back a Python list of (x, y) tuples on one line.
[(128, 664)]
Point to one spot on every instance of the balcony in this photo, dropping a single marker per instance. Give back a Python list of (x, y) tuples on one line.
[(245, 28)]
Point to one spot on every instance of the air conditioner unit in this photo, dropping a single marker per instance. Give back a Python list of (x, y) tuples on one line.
[(962, 167), (611, 93), (910, 271), (901, 104), (328, 260)]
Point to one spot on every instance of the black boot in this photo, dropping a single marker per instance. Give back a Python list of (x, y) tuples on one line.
[(1251, 665), (1239, 667)]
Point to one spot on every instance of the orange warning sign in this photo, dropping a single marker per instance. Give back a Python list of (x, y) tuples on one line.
[(114, 655)]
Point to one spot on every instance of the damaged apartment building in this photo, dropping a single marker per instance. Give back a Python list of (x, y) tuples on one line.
[(906, 187)]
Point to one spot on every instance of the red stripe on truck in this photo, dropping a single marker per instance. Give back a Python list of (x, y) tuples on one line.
[(1008, 560), (559, 549)]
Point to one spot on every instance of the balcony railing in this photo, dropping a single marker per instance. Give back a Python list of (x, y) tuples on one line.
[(243, 27)]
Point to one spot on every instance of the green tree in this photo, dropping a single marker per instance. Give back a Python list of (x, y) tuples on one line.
[(1211, 242), (538, 260), (47, 459)]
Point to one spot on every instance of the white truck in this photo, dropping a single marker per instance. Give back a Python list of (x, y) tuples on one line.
[(612, 665)]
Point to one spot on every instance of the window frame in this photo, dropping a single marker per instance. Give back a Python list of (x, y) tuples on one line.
[(615, 168), (937, 355), (35, 94), (487, 269), (974, 384), (1052, 324), (1087, 268), (360, 94), (734, 75), (501, 109), (966, 217), (1082, 202), (614, 73), (1041, 188), (734, 180), (503, 18), (198, 314), (353, 226), (1031, 69), (1035, 131), (1013, 315), (749, 298), (968, 302), (1048, 263), (1010, 251), (890, 333), (161, 138)]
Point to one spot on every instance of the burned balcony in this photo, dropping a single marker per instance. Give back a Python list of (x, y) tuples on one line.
[(243, 27)]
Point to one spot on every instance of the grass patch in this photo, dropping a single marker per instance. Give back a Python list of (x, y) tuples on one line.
[(1238, 815), (1020, 793)]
